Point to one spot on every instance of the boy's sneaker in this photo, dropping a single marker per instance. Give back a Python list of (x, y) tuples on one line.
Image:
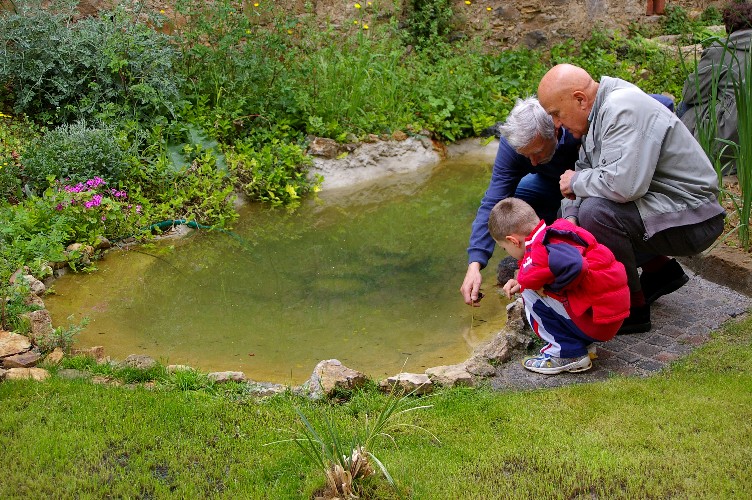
[(667, 279), (551, 365), (637, 322)]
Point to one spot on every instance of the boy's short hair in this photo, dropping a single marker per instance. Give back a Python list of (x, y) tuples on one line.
[(511, 216)]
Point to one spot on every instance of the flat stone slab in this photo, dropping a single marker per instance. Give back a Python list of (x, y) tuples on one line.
[(13, 343)]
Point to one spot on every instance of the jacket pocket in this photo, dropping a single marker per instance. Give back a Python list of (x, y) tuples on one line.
[(609, 156)]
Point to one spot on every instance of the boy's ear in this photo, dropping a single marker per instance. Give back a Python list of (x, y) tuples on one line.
[(513, 240)]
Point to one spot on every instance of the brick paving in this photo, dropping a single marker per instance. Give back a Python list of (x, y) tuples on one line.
[(681, 321)]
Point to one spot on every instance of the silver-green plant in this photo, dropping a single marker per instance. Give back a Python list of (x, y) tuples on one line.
[(346, 461), (62, 336)]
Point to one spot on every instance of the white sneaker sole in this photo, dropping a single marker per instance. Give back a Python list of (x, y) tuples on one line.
[(580, 365)]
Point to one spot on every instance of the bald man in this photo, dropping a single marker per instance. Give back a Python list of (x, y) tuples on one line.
[(642, 185)]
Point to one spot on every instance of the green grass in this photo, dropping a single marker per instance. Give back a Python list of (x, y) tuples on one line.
[(684, 433)]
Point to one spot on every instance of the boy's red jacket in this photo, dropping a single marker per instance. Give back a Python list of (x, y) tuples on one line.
[(571, 266)]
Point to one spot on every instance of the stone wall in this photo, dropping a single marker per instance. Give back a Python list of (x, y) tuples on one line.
[(510, 23)]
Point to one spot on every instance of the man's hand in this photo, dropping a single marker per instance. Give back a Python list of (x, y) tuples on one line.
[(565, 184), (511, 287), (470, 288)]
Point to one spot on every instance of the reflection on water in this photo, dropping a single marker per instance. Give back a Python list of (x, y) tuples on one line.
[(369, 277)]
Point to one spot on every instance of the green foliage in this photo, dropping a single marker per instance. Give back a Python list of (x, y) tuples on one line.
[(62, 336), (74, 153), (110, 66), (711, 16), (16, 133), (427, 22), (356, 86), (236, 60), (13, 293), (275, 172), (201, 192)]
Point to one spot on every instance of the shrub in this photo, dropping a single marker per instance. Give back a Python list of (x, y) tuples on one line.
[(74, 153), (58, 70)]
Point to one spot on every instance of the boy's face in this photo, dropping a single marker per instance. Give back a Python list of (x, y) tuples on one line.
[(513, 245)]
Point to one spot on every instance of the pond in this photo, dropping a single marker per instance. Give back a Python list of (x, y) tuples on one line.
[(369, 276)]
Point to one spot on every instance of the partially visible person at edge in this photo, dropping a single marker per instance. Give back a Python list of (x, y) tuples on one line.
[(532, 156), (724, 64), (574, 291), (642, 186)]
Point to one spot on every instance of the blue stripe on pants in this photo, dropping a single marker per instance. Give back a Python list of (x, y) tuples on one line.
[(551, 323)]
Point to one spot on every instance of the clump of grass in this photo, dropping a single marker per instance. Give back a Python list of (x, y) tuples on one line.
[(347, 462)]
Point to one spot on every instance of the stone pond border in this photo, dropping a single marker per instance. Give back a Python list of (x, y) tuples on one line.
[(19, 357)]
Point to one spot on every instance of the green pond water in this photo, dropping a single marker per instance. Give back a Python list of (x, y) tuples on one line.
[(369, 276)]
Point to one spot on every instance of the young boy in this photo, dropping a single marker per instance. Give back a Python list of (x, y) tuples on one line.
[(574, 290)]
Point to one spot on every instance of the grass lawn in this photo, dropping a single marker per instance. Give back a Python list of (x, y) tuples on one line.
[(686, 433)]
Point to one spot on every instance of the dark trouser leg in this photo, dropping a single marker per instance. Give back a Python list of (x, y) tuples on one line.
[(615, 225), (619, 227)]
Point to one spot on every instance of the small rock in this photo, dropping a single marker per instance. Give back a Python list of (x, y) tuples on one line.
[(55, 357), (451, 376), (36, 286), (265, 389), (96, 352), (41, 324), (224, 377), (24, 360), (13, 343), (178, 368), (326, 148), (140, 361), (331, 375), (102, 243), (399, 135), (72, 374), (37, 374), (408, 383), (34, 300)]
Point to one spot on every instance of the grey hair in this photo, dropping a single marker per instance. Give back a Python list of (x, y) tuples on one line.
[(527, 121)]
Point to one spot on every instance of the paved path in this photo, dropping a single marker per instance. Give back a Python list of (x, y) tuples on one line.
[(681, 321)]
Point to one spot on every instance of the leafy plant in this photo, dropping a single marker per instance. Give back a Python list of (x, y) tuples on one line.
[(427, 22), (74, 153), (276, 172), (62, 336), (346, 462)]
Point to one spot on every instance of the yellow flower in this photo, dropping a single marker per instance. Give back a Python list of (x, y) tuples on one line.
[(161, 11), (289, 32), (365, 26), (247, 32), (355, 22), (488, 9), (357, 5), (255, 4), (468, 2)]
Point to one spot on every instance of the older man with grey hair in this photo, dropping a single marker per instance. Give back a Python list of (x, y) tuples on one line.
[(531, 157)]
